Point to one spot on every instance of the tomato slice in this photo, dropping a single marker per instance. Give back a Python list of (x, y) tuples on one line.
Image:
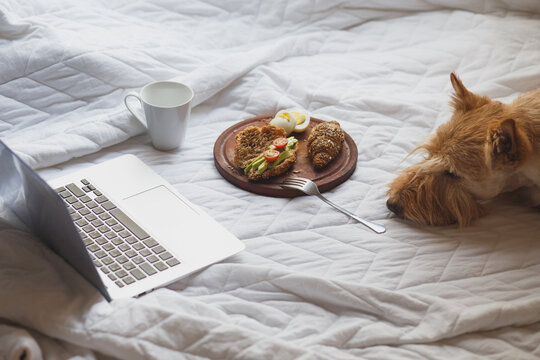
[(280, 143), (271, 155)]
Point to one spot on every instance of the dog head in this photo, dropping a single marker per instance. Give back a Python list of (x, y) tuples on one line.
[(468, 159)]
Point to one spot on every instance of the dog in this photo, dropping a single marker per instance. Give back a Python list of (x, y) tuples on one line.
[(486, 148)]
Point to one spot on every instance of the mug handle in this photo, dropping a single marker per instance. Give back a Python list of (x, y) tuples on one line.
[(135, 112)]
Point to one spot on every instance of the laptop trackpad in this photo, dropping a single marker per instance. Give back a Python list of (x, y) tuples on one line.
[(163, 214)]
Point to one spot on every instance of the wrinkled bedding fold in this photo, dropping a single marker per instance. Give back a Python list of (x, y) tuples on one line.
[(311, 283)]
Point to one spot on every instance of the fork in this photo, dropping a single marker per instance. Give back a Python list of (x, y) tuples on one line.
[(309, 187)]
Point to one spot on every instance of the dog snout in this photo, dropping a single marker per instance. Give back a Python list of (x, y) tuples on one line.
[(394, 207)]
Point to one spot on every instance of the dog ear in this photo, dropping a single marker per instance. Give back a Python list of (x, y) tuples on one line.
[(463, 100), (507, 145)]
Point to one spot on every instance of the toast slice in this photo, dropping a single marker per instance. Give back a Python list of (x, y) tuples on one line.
[(252, 142)]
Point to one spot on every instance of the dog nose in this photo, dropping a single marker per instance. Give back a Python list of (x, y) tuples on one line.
[(394, 207)]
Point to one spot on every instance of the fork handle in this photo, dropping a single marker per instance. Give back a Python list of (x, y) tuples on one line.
[(379, 229)]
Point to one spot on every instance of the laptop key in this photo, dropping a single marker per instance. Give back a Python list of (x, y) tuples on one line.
[(124, 247), (152, 258), (112, 277), (108, 247), (81, 222), (104, 216), (121, 273), (131, 240), (119, 283), (98, 210), (75, 190), (137, 274), (138, 260), (130, 224), (172, 262), (128, 280), (65, 194), (77, 205), (115, 253), (91, 204), (116, 240), (101, 199), (131, 253), (60, 189), (147, 268), (107, 260), (161, 266), (85, 199), (101, 240), (75, 216), (111, 236), (114, 267), (100, 254), (108, 205), (93, 248), (124, 233), (166, 255), (122, 259), (85, 182), (150, 242), (158, 249), (84, 212), (138, 246), (71, 199), (145, 252), (89, 216), (129, 265)]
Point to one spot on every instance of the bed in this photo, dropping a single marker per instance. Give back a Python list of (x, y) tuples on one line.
[(312, 283)]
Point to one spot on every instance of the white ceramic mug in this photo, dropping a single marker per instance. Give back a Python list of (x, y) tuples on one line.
[(167, 107)]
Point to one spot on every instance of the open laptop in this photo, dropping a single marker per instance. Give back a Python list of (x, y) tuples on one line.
[(119, 224)]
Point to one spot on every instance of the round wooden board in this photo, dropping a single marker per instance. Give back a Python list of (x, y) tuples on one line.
[(339, 170)]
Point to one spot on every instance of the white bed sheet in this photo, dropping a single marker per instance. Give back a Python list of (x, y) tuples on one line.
[(311, 283)]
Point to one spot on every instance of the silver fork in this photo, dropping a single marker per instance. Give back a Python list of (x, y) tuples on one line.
[(310, 188)]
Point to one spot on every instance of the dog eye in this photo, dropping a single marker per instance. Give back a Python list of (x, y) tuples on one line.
[(450, 174)]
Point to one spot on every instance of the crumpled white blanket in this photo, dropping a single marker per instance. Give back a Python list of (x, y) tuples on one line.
[(18, 344), (311, 283)]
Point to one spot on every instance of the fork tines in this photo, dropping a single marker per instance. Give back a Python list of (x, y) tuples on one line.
[(295, 181)]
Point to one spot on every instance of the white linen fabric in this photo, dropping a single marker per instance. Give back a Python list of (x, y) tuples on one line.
[(311, 283)]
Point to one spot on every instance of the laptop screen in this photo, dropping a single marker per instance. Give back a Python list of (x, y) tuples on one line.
[(38, 206)]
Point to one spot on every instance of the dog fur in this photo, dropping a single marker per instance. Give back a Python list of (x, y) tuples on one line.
[(486, 148)]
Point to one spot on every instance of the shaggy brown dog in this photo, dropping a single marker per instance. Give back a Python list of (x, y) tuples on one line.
[(486, 148)]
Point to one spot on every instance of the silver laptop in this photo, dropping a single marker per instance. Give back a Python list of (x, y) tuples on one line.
[(118, 223)]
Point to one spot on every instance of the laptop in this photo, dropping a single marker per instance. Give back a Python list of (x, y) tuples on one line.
[(124, 228)]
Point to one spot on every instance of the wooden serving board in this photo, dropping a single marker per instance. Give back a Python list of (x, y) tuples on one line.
[(339, 170)]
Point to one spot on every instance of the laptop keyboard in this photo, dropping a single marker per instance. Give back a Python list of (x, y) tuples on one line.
[(117, 245)]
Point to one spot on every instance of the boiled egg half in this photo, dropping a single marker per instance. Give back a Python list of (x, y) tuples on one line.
[(302, 119), (285, 120), (290, 120)]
